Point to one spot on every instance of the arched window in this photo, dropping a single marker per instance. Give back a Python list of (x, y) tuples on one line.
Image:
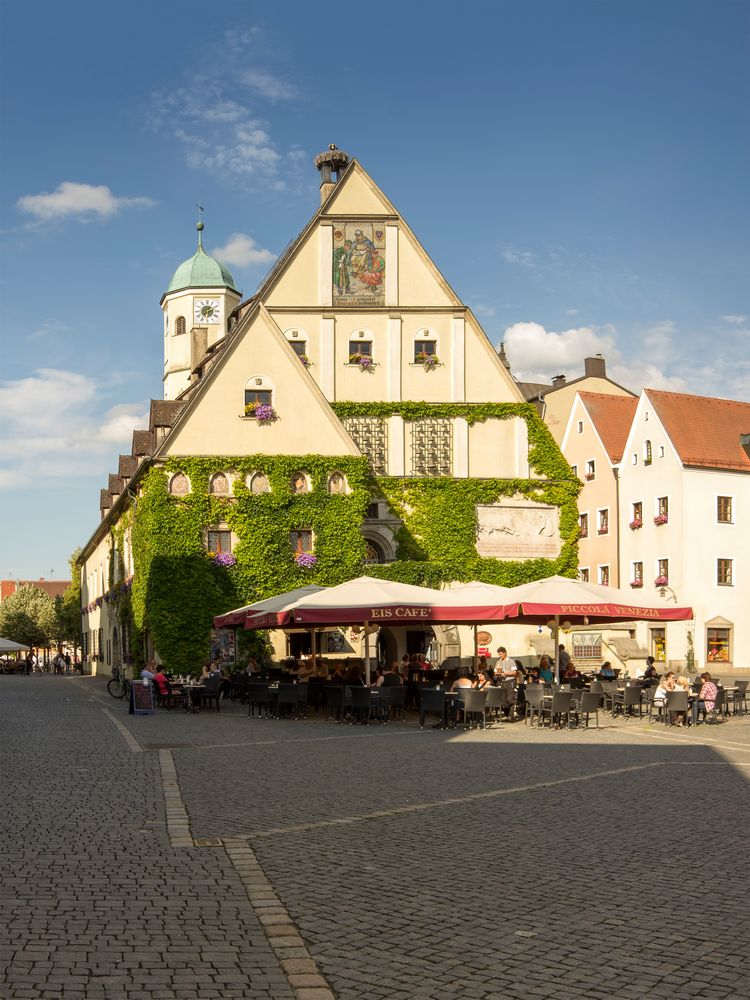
[(179, 484), (337, 483), (180, 325), (258, 483), (373, 554), (300, 483), (219, 485), (297, 338), (259, 389), (360, 345), (425, 346), (647, 454)]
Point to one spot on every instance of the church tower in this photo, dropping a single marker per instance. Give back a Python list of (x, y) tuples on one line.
[(196, 305)]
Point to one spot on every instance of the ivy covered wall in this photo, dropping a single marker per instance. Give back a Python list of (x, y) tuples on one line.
[(177, 588)]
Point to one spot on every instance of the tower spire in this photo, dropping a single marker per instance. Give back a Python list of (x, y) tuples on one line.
[(199, 227)]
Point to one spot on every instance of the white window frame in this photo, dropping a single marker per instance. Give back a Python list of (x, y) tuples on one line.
[(579, 427), (360, 335), (633, 564), (732, 561), (657, 571), (590, 473), (588, 572), (731, 498), (668, 498), (297, 335), (599, 568), (599, 512), (581, 513), (423, 333), (635, 458)]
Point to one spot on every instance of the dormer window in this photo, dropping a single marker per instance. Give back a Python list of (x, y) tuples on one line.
[(297, 340), (425, 348)]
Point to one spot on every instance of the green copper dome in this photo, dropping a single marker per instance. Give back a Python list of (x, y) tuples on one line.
[(201, 271)]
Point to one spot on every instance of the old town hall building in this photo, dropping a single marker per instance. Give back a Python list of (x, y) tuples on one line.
[(351, 414)]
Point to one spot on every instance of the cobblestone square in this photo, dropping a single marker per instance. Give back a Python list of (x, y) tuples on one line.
[(181, 856)]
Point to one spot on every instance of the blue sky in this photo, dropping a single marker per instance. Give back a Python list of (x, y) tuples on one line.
[(578, 170)]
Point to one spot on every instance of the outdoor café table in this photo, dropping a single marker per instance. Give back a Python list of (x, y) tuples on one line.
[(191, 696)]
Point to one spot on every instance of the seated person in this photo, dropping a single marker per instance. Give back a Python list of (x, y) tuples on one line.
[(706, 698), (482, 663), (534, 677), (480, 681), (206, 670), (650, 677), (355, 677), (570, 672), (462, 682), (392, 677), (545, 670), (606, 673), (149, 669), (161, 681), (665, 685)]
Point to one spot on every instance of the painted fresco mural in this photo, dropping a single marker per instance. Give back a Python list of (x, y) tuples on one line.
[(358, 263)]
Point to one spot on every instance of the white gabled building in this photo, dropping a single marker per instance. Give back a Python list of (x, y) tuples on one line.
[(685, 524)]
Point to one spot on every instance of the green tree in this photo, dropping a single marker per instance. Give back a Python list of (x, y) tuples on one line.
[(68, 607), (28, 616)]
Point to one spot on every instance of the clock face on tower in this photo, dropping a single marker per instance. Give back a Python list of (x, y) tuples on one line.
[(206, 311)]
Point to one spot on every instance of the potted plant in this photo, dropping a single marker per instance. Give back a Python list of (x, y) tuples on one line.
[(661, 519), (305, 360), (636, 523), (661, 581), (263, 412), (224, 559), (636, 583), (427, 361), (365, 362)]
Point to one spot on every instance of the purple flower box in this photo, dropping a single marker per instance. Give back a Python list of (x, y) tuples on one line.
[(305, 560), (224, 559)]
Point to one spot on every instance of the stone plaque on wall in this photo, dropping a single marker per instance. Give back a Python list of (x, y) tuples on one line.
[(518, 529)]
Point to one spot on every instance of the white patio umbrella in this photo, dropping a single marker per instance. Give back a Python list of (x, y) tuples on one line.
[(268, 606), (8, 646), (560, 599)]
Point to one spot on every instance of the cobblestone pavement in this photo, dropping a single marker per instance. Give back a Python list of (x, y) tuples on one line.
[(395, 863)]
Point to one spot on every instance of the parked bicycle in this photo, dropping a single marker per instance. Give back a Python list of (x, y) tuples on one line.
[(119, 686)]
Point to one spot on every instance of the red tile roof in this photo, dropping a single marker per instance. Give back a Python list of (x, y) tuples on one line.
[(612, 417), (54, 588), (705, 431)]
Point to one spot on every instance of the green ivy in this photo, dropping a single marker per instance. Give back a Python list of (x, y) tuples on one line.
[(177, 589), (545, 457)]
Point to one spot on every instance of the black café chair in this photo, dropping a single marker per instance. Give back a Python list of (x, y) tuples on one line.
[(496, 702), (258, 696), (362, 705), (627, 700), (395, 701), (533, 701), (211, 693), (474, 705), (677, 701), (557, 707), (288, 699), (334, 694), (431, 702), (590, 701)]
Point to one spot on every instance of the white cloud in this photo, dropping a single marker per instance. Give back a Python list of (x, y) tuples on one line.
[(52, 328), (513, 255), (483, 310), (262, 82), (241, 250), (735, 320), (537, 355), (81, 201), (54, 428)]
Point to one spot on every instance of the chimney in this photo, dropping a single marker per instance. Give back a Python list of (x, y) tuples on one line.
[(558, 381), (333, 162), (595, 367)]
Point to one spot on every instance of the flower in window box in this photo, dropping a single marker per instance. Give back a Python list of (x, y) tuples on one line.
[(365, 362), (636, 523), (661, 518), (427, 361), (661, 581), (262, 412), (224, 559), (590, 475), (305, 560), (305, 360), (603, 531), (636, 583)]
